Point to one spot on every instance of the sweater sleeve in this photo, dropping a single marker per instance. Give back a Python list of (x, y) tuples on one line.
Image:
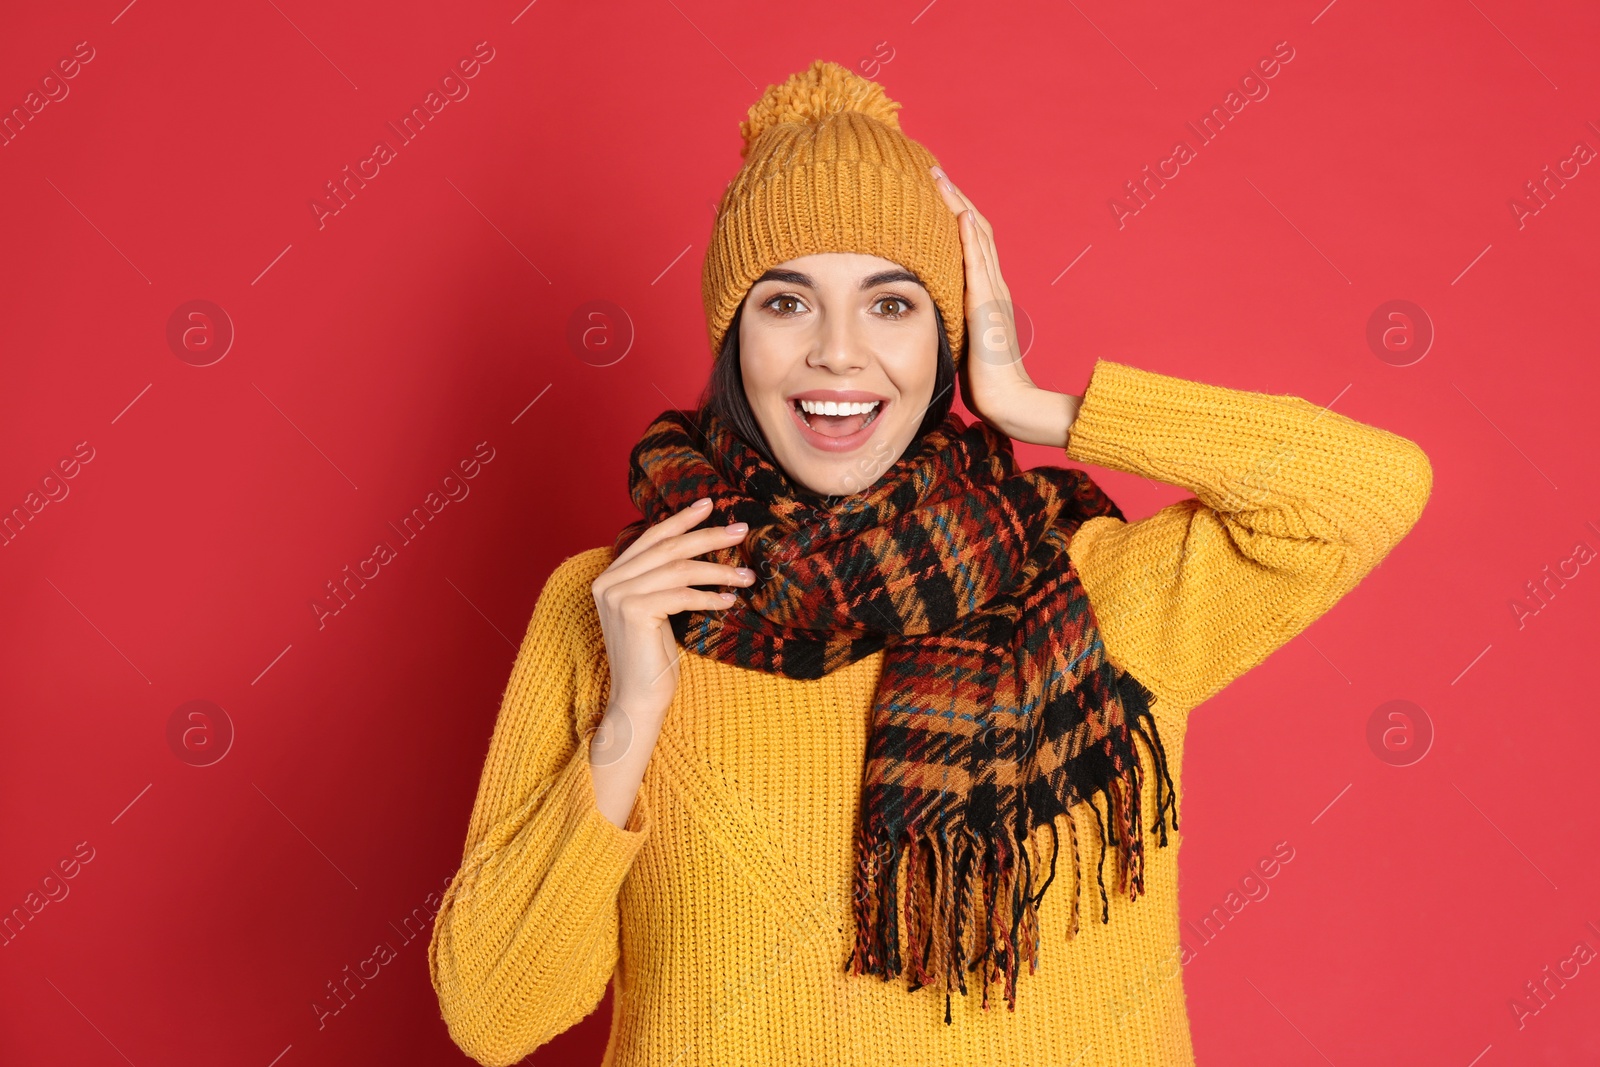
[(526, 939), (1294, 504)]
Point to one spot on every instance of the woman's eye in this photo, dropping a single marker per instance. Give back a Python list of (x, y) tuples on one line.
[(786, 304), (785, 299)]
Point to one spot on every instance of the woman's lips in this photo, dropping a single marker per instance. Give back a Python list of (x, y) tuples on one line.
[(848, 442)]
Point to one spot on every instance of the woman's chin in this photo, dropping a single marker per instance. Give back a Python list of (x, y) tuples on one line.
[(837, 474)]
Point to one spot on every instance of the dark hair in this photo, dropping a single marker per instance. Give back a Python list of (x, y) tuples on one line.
[(724, 391)]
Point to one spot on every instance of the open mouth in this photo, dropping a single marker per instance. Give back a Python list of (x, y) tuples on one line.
[(835, 425)]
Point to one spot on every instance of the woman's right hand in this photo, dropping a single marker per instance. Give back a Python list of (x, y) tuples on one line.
[(649, 581)]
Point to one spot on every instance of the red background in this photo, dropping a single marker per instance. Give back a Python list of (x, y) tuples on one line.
[(375, 352)]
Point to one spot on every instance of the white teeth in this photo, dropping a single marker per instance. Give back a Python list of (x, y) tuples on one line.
[(834, 407)]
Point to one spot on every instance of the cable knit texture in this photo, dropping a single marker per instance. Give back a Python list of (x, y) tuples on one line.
[(721, 911)]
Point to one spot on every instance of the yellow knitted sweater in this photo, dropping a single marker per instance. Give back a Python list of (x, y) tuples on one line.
[(721, 912)]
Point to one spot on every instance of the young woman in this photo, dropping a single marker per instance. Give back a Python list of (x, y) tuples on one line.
[(791, 762)]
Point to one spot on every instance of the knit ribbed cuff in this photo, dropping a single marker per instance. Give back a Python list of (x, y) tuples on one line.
[(1170, 428), (1124, 406), (589, 825), (562, 837), (1237, 449)]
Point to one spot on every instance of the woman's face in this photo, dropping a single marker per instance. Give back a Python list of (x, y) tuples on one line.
[(847, 329)]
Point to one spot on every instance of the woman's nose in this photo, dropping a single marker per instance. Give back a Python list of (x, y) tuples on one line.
[(839, 349)]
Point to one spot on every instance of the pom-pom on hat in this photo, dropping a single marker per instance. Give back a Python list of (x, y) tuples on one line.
[(828, 169)]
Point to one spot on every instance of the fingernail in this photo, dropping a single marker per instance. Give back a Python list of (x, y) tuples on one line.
[(937, 173), (726, 596), (738, 527), (746, 573), (702, 502)]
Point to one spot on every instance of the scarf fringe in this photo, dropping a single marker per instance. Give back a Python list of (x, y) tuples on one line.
[(969, 903)]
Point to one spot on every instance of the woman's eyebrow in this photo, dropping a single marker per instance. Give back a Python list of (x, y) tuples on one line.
[(794, 277)]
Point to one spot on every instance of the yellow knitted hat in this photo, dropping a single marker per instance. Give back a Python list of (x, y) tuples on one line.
[(827, 169)]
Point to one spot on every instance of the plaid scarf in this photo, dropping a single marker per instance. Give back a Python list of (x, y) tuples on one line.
[(996, 709)]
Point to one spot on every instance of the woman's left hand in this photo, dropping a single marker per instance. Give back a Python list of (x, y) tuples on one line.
[(994, 383)]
